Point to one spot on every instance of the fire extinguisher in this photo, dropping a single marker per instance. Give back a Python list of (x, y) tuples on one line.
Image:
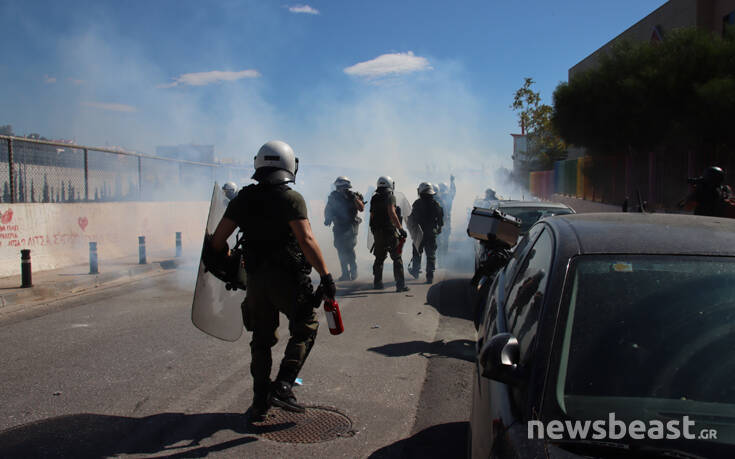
[(401, 242), (334, 318), (331, 310)]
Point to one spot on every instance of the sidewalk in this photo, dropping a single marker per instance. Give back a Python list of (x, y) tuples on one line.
[(59, 283), (582, 206)]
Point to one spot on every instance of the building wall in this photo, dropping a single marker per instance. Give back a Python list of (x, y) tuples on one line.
[(59, 234), (671, 15)]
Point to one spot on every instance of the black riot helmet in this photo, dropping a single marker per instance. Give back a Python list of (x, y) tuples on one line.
[(714, 176)]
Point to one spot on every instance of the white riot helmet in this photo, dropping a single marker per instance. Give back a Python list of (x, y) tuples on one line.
[(230, 189), (426, 188), (275, 163), (386, 182), (342, 182)]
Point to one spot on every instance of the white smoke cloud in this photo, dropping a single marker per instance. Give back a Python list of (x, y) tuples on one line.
[(389, 64), (211, 77), (110, 107), (303, 9)]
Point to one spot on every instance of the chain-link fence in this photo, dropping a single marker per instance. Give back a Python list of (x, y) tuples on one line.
[(40, 171)]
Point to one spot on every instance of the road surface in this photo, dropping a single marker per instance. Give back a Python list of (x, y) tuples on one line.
[(124, 373)]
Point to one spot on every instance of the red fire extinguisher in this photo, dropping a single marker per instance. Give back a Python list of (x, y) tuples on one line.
[(334, 318)]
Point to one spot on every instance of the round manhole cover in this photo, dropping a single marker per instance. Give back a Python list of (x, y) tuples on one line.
[(316, 425)]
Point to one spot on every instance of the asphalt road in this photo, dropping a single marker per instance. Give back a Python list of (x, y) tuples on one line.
[(124, 373)]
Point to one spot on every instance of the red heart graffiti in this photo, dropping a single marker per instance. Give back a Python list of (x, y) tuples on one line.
[(6, 217), (83, 222)]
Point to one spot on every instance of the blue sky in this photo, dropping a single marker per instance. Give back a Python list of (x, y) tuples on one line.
[(429, 80)]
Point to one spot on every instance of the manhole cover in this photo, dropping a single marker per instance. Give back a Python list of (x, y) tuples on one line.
[(316, 425)]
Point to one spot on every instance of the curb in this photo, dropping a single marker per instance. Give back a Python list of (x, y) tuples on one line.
[(82, 283)]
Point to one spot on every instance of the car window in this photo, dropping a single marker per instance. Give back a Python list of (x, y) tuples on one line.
[(519, 251), (530, 215), (526, 296)]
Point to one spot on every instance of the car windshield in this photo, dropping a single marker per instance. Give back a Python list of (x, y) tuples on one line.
[(530, 215), (650, 337)]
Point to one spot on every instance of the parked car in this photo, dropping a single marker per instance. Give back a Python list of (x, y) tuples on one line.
[(528, 213), (630, 314)]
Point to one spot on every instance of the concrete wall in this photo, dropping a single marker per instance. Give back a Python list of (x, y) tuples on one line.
[(59, 234), (671, 15)]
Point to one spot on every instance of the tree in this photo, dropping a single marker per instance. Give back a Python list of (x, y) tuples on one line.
[(45, 190), (21, 188), (676, 95), (6, 130), (544, 146)]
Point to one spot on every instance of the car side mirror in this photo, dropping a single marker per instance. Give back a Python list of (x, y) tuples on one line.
[(499, 359)]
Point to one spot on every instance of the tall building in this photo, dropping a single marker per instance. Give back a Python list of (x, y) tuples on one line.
[(713, 15)]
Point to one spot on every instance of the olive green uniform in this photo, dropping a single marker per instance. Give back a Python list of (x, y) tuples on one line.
[(427, 213), (341, 211), (386, 237), (278, 279)]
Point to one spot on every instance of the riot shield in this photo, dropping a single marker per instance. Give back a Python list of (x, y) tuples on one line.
[(216, 310), (417, 234)]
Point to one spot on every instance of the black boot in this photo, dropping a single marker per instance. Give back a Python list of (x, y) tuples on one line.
[(283, 397), (259, 408)]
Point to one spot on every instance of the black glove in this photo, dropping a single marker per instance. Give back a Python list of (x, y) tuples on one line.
[(403, 232), (327, 286)]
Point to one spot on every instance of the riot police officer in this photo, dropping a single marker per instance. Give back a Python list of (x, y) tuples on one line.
[(230, 190), (388, 233), (708, 193), (341, 210), (428, 215), (279, 251)]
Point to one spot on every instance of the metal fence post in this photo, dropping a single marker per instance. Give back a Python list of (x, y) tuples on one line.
[(11, 168), (141, 250), (86, 175), (25, 269)]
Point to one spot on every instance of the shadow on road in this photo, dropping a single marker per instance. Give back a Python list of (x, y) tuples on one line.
[(439, 441), (459, 349), (97, 435), (451, 298)]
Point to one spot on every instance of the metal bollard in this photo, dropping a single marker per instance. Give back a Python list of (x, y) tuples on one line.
[(93, 267), (141, 250), (178, 243), (25, 269)]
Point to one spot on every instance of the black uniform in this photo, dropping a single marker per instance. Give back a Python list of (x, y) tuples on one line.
[(427, 214), (341, 210), (386, 237), (709, 199), (278, 279)]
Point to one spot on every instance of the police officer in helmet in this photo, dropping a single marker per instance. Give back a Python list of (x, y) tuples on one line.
[(230, 190), (708, 193), (341, 210), (279, 252), (427, 214), (387, 230)]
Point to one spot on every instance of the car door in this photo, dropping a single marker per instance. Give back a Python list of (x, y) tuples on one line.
[(514, 306), (482, 404)]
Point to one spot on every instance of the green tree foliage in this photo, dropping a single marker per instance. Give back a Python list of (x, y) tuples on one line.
[(45, 191), (544, 144), (676, 95)]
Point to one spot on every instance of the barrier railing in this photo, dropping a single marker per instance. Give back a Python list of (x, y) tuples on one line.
[(44, 171)]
